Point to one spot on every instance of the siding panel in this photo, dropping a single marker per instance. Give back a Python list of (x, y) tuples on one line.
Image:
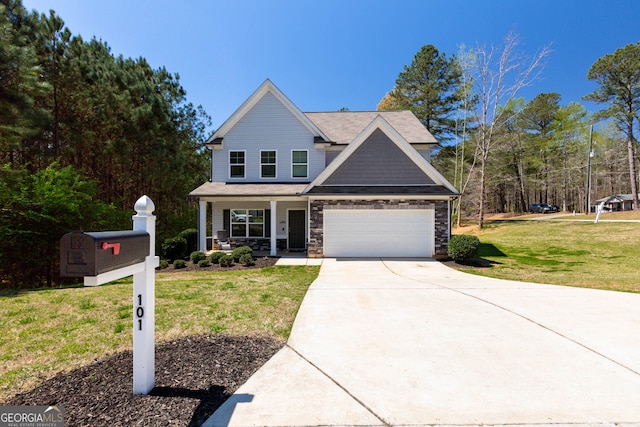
[(269, 125), (378, 161)]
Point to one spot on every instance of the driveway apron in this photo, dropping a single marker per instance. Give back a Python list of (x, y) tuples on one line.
[(413, 342)]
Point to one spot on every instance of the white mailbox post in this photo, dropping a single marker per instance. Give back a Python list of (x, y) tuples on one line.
[(144, 303), (107, 256)]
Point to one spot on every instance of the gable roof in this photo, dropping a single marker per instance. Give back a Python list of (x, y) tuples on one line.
[(380, 124), (344, 127), (266, 87)]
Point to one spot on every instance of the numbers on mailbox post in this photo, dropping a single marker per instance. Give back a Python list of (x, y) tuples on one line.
[(139, 312)]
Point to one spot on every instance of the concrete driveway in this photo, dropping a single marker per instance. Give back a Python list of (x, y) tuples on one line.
[(412, 342)]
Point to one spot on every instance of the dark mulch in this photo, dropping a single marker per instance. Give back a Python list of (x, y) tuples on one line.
[(260, 262), (474, 264), (194, 376)]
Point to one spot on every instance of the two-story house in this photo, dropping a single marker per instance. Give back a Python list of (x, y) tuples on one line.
[(337, 184)]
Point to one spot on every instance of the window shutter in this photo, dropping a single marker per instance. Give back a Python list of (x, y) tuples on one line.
[(267, 223), (226, 219)]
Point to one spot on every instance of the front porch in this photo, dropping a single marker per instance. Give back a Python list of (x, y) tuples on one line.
[(269, 227)]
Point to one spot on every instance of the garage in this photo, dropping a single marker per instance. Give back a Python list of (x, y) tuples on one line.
[(378, 232)]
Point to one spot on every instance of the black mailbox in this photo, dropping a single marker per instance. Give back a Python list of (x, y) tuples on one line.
[(90, 254)]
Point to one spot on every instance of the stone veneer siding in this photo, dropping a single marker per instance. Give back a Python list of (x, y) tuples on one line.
[(316, 215)]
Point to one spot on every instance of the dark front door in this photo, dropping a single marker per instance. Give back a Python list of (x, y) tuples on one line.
[(296, 229)]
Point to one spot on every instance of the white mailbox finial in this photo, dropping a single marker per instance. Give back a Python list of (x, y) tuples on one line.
[(144, 206)]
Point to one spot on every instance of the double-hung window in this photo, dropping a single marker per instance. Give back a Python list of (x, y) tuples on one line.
[(247, 223), (236, 164), (299, 163), (267, 164)]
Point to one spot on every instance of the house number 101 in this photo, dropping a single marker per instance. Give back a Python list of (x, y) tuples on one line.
[(140, 312)]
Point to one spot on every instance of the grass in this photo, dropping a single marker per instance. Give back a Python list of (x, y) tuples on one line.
[(48, 331), (583, 254)]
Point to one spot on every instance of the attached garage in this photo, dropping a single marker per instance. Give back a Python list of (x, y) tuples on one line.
[(378, 232)]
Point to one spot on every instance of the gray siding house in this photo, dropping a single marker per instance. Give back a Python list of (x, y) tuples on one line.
[(336, 184)]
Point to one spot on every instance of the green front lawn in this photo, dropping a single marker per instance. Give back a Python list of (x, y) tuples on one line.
[(53, 330), (584, 254)]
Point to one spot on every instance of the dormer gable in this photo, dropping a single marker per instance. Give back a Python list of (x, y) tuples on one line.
[(379, 155), (267, 87)]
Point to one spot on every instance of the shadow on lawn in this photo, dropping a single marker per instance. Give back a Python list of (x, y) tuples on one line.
[(485, 250)]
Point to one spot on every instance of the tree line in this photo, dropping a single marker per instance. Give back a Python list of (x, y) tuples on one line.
[(83, 134), (504, 153)]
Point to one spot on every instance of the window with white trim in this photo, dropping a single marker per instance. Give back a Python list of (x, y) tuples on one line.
[(247, 222), (299, 163), (236, 164), (267, 163)]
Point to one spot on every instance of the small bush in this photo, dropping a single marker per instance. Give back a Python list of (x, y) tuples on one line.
[(215, 257), (197, 256), (163, 264), (247, 260), (242, 250), (226, 261), (191, 236), (204, 263), (463, 248), (179, 263), (174, 248)]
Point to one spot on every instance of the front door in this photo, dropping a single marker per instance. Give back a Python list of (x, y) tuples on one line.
[(297, 229)]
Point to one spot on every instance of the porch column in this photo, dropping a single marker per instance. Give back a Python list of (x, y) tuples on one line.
[(202, 226), (274, 231), (213, 227)]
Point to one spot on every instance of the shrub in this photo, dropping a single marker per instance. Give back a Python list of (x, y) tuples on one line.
[(174, 248), (163, 264), (204, 263), (215, 257), (191, 236), (197, 256), (247, 260), (226, 261), (463, 248), (179, 263), (238, 252)]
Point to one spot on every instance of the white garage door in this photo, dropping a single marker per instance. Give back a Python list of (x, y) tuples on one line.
[(378, 233)]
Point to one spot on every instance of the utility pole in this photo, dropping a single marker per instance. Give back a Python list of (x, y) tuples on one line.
[(588, 210)]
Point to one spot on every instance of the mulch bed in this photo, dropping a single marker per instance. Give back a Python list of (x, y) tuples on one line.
[(475, 264), (194, 376), (260, 262)]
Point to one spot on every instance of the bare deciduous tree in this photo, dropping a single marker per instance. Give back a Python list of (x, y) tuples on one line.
[(499, 73)]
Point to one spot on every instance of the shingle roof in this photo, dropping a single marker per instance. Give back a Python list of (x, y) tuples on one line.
[(416, 190), (250, 189), (343, 127)]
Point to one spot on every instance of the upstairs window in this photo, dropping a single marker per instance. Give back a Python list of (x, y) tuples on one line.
[(299, 164), (267, 164), (236, 164)]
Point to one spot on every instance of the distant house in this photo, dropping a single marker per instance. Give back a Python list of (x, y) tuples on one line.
[(336, 184), (617, 202)]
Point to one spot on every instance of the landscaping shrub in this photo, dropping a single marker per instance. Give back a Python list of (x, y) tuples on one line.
[(463, 248), (226, 261), (197, 256), (215, 257), (247, 260), (238, 252), (174, 248), (191, 236), (163, 264), (179, 263), (204, 263)]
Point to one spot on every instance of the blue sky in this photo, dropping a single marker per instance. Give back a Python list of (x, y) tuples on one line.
[(329, 54)]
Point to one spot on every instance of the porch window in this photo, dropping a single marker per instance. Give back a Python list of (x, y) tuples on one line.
[(236, 164), (247, 223), (299, 164), (267, 164)]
